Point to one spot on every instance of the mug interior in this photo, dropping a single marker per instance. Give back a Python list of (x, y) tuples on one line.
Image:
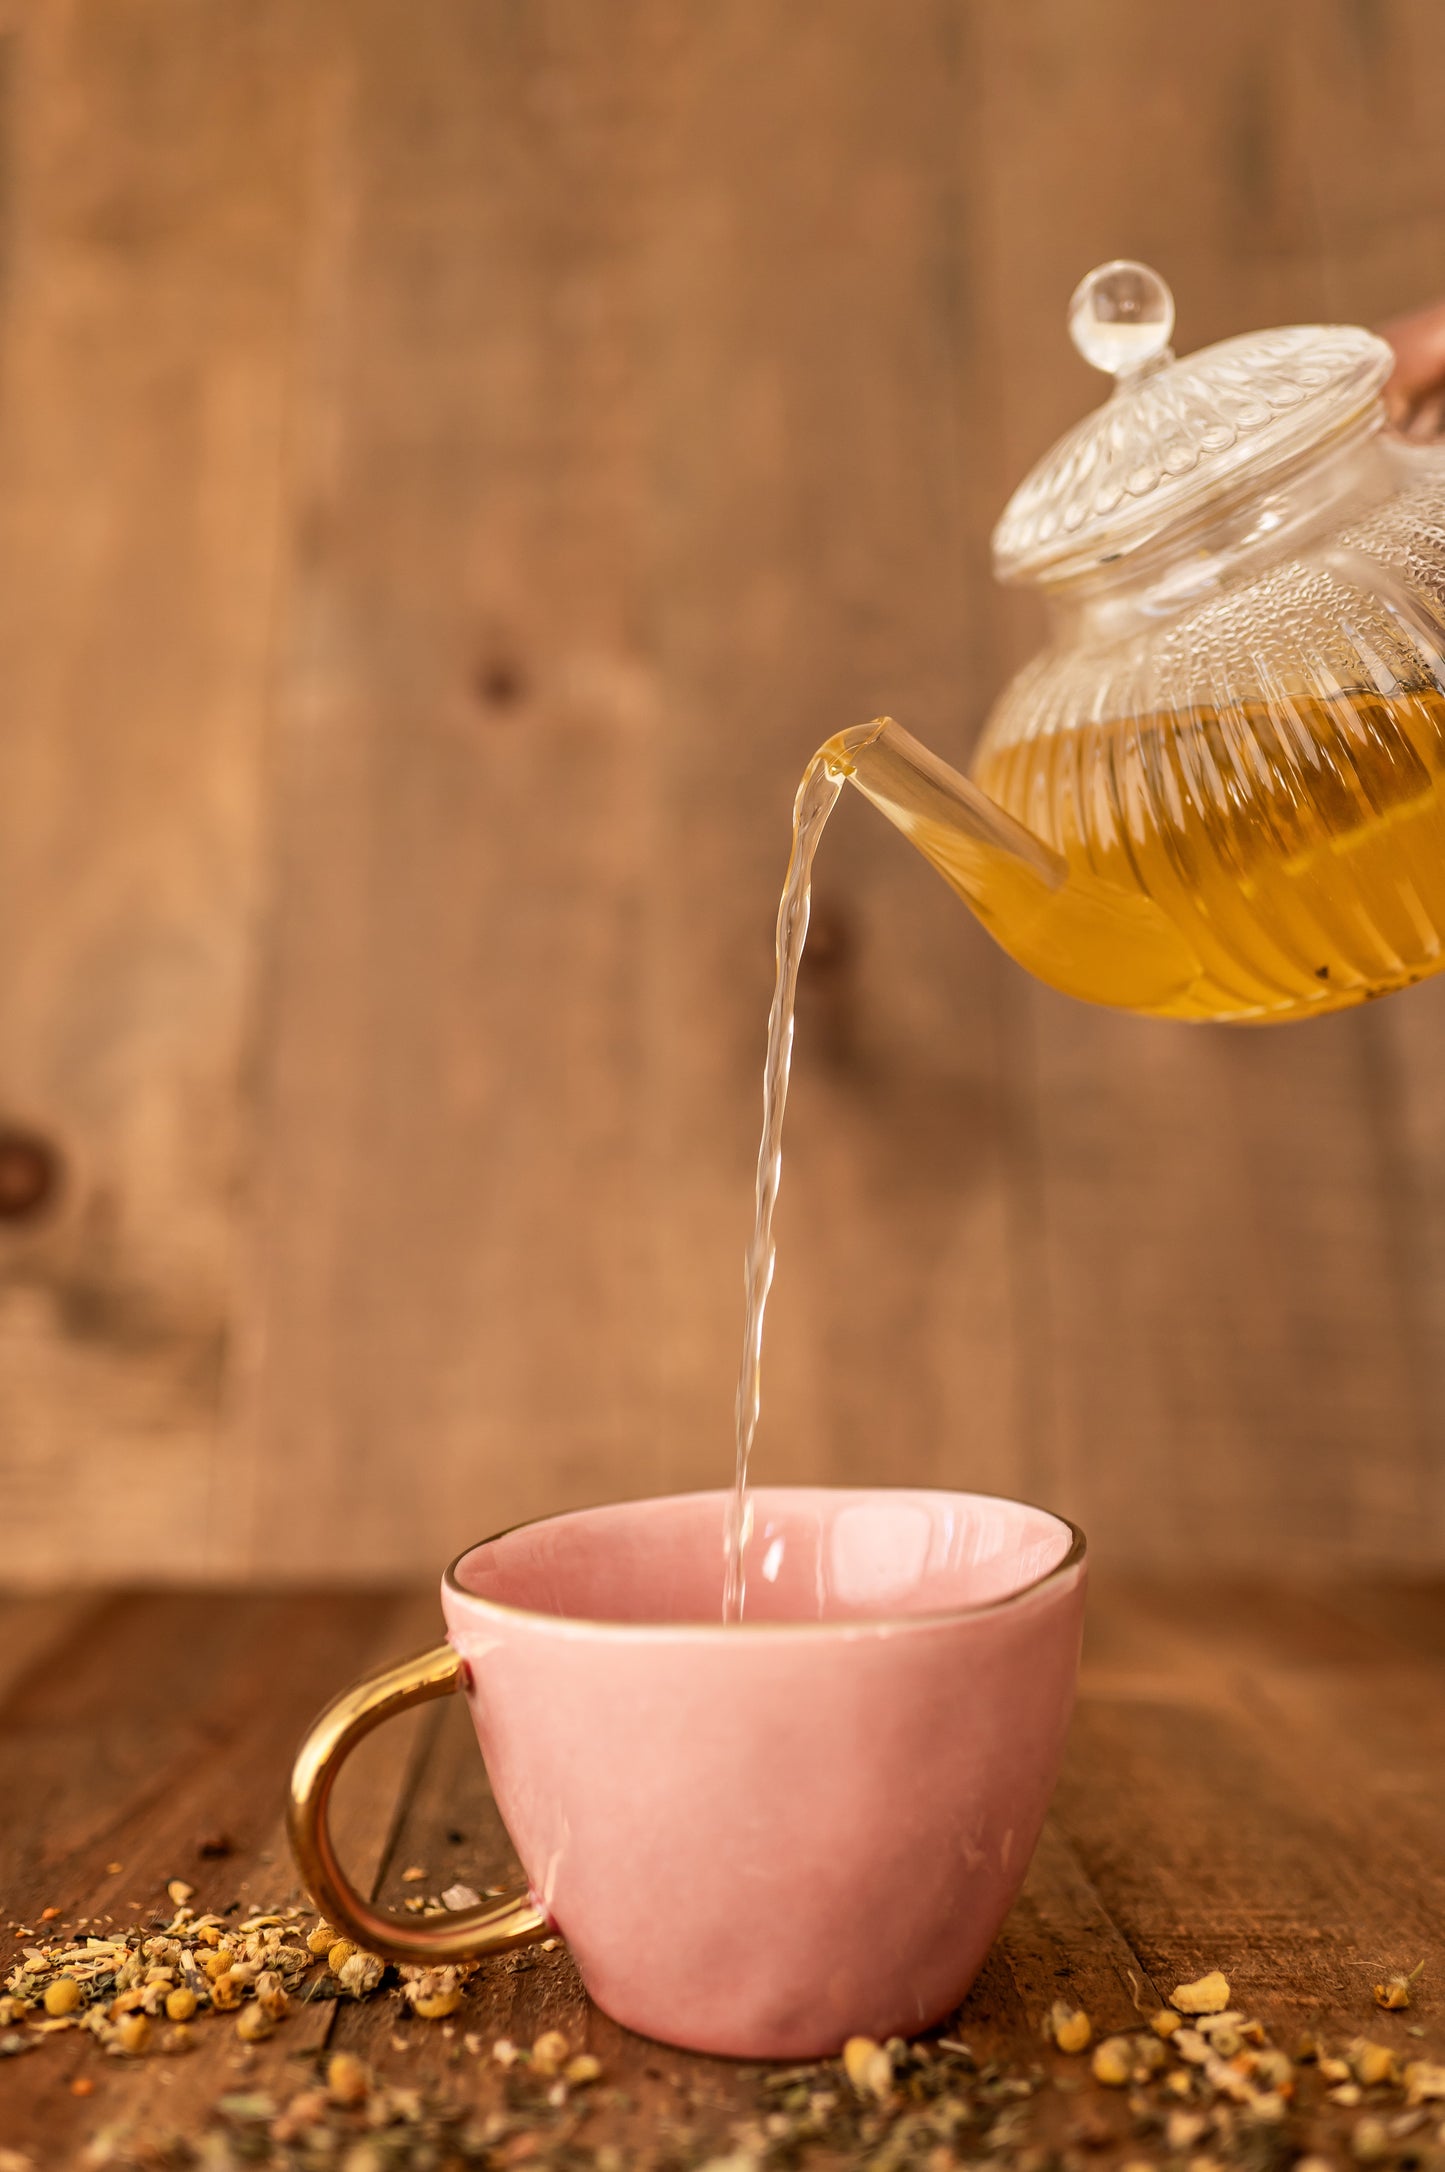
[(814, 1554)]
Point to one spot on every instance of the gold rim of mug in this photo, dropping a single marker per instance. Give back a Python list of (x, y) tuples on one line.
[(859, 1624)]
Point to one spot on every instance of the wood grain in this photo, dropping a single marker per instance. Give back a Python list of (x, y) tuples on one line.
[(824, 528), (454, 465), (454, 1100), (524, 984), (150, 171)]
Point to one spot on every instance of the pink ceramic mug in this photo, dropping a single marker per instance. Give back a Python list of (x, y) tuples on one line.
[(757, 1840)]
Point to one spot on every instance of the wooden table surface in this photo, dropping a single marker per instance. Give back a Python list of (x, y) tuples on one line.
[(1255, 1782)]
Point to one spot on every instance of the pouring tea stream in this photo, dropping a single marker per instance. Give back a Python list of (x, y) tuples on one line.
[(1218, 793)]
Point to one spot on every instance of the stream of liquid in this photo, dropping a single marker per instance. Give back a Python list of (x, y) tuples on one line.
[(1264, 862), (823, 780)]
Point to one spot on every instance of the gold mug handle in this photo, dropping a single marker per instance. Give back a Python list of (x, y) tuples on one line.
[(463, 1935)]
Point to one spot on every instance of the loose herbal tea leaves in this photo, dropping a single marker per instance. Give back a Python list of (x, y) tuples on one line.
[(938, 2109), (115, 1987), (1198, 2089)]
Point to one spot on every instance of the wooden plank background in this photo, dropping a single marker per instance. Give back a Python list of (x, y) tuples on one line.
[(456, 461)]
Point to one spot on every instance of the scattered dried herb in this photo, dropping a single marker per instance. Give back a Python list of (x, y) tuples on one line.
[(1196, 2087), (1394, 1992), (1210, 1995), (1070, 2027)]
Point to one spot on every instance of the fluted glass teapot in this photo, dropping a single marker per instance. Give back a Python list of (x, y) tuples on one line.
[(1219, 791)]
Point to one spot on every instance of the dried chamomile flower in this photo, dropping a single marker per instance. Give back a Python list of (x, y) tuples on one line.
[(271, 1994), (347, 2081), (320, 1940), (1274, 2070), (360, 1973), (1165, 2022), (868, 2067), (1183, 2129), (62, 1996), (1069, 2026), (254, 2024), (180, 2003), (1113, 2062), (1424, 2082), (1394, 1992), (549, 2052), (1372, 2063), (132, 2034), (1209, 1995), (1150, 2056), (338, 1955), (433, 1992)]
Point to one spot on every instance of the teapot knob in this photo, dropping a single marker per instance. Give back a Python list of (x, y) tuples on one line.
[(1120, 319)]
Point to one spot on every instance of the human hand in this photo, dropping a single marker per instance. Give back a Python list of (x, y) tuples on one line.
[(1415, 394)]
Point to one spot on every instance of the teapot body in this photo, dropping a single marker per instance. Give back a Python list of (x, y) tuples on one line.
[(1219, 792), (1244, 735)]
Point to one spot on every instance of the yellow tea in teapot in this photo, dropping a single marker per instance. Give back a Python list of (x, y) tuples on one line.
[(1263, 862)]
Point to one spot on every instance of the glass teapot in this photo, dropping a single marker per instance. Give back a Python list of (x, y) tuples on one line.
[(1219, 791)]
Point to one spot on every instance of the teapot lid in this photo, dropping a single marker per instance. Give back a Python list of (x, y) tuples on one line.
[(1175, 434)]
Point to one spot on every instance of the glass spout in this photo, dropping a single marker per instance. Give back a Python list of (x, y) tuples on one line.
[(954, 824), (1061, 921)]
